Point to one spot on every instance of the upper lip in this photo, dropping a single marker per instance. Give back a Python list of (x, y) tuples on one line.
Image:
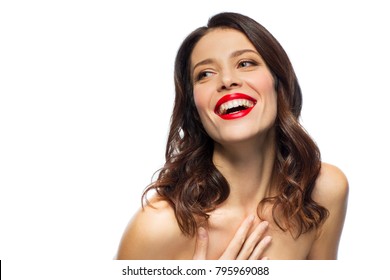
[(230, 97)]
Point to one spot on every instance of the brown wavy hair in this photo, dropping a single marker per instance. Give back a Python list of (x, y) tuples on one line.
[(191, 183)]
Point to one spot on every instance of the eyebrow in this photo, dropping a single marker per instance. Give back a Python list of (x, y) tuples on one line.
[(232, 55)]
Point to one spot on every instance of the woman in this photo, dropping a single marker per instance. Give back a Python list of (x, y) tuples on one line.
[(242, 178)]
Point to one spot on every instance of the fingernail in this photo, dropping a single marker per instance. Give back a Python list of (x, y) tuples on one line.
[(202, 232), (265, 223), (267, 239), (251, 218)]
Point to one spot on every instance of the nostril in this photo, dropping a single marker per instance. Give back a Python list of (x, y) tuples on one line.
[(233, 85), (230, 86)]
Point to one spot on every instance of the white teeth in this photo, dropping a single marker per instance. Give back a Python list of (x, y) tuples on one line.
[(235, 103)]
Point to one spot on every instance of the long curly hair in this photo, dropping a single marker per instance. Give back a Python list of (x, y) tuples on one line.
[(189, 180)]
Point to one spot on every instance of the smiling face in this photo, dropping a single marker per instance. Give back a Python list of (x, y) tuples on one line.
[(233, 88)]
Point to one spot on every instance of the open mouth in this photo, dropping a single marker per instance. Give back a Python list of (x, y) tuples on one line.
[(234, 106)]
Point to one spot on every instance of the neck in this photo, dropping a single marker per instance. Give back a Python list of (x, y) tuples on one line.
[(247, 166)]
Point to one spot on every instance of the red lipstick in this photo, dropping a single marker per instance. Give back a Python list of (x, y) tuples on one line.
[(233, 106)]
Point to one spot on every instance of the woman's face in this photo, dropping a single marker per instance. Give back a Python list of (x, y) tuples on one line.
[(233, 87)]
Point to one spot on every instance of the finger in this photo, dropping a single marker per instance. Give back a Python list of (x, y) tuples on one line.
[(238, 240), (259, 250), (202, 241), (252, 241)]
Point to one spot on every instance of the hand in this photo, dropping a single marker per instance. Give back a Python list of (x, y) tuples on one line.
[(242, 246)]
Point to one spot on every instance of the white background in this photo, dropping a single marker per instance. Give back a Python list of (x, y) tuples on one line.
[(86, 92)]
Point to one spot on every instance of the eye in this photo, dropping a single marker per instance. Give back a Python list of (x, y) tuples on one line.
[(203, 75), (246, 63)]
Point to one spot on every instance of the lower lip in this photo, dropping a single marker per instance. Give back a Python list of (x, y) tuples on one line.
[(236, 115)]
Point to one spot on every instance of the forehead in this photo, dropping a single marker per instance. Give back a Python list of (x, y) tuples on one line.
[(219, 42)]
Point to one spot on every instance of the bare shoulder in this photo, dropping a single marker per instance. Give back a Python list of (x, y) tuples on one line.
[(330, 191), (331, 185), (153, 233)]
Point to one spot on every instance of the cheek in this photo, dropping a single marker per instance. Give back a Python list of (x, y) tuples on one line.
[(263, 82), (273, 101), (201, 100), (265, 86)]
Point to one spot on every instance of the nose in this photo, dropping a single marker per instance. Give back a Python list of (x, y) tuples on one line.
[(229, 81)]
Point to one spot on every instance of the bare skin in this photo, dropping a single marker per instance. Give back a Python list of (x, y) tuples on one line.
[(224, 62), (153, 233)]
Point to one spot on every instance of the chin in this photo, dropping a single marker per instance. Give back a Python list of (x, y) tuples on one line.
[(238, 136), (242, 134)]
